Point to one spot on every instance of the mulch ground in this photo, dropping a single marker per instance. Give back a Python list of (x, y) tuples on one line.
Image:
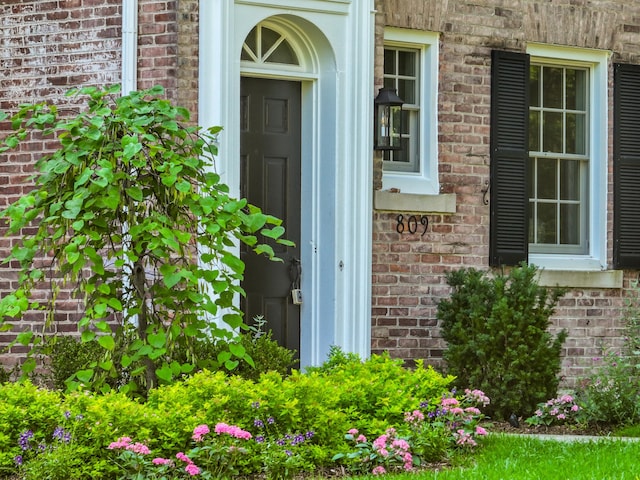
[(505, 427)]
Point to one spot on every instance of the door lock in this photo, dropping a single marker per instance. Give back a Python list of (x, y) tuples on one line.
[(295, 272), (296, 296)]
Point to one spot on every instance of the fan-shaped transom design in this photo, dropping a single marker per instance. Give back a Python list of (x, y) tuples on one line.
[(265, 45)]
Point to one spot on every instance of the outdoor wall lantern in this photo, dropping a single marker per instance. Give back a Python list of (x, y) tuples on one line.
[(388, 120)]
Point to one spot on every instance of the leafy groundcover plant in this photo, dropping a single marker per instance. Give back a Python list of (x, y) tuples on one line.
[(225, 426), (562, 410)]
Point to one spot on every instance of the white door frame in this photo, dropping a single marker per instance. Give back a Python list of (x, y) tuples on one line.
[(335, 38)]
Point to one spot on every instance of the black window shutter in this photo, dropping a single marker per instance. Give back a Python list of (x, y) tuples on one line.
[(509, 241), (626, 166)]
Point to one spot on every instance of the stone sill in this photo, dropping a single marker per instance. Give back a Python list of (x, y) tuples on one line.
[(580, 279), (414, 203)]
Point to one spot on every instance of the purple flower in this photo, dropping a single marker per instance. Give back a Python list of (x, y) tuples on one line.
[(58, 433), (255, 405), (17, 460), (271, 420), (258, 423), (23, 441), (288, 452), (309, 434), (67, 414), (281, 442), (259, 439)]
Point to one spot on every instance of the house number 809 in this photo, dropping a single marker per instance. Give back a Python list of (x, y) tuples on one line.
[(410, 225)]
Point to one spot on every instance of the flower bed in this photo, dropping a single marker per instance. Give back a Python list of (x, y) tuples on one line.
[(216, 426)]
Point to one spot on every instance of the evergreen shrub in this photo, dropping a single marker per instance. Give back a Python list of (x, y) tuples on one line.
[(496, 329)]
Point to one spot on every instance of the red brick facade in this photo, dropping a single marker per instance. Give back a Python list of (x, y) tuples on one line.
[(49, 46), (408, 279)]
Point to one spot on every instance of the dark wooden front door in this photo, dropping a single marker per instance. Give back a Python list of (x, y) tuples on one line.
[(270, 179)]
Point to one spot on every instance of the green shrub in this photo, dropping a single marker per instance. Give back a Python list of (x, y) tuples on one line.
[(380, 390), (24, 407), (266, 353), (66, 355), (497, 338)]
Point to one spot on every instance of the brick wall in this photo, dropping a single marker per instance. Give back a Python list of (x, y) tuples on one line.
[(47, 47), (408, 270)]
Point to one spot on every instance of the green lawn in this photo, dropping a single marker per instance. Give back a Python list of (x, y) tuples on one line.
[(512, 458)]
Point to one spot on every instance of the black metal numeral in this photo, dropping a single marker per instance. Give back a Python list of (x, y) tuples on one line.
[(411, 225)]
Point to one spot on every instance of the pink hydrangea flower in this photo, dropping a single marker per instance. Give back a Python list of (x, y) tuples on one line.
[(380, 442), (192, 469), (361, 439), (408, 461), (414, 417), (449, 402), (122, 442), (353, 431), (199, 432), (161, 461), (139, 448), (400, 444), (379, 470), (184, 458), (480, 431), (465, 438), (232, 430), (575, 408)]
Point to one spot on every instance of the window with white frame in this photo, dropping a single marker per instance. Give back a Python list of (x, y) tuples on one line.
[(558, 159), (549, 186), (568, 153), (411, 67)]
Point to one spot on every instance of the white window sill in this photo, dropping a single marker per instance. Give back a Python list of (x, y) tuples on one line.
[(414, 203), (580, 278)]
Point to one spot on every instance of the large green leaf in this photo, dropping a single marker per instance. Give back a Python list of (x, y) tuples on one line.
[(107, 342), (157, 340)]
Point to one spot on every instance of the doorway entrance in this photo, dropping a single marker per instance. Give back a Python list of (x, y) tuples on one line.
[(270, 169)]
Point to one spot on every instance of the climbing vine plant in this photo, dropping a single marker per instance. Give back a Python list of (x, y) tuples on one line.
[(129, 214)]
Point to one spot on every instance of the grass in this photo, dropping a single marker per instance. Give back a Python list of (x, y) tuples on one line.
[(505, 457)]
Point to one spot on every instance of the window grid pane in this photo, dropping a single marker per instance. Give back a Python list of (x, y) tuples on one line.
[(558, 194), (401, 67)]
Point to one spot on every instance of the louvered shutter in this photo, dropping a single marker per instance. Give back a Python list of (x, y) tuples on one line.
[(509, 155), (626, 166)]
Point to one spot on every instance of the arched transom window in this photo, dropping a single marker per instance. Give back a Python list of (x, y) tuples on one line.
[(265, 45)]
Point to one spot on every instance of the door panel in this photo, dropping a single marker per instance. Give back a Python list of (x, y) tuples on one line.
[(270, 179)]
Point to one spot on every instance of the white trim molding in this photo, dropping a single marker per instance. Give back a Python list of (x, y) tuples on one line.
[(336, 154)]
